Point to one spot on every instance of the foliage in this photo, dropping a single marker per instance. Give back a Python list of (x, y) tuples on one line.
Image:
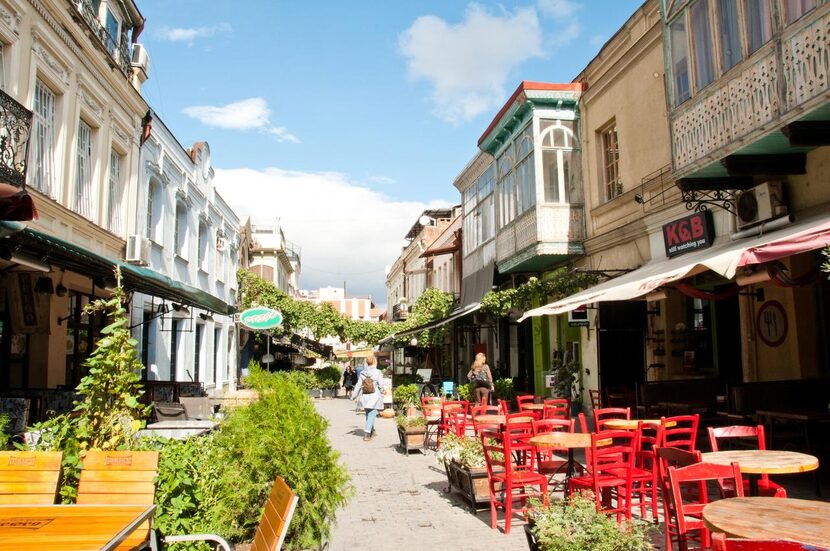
[(407, 422), (4, 424), (463, 450), (108, 413), (504, 389), (433, 304), (575, 525), (568, 377), (328, 377), (825, 266), (302, 378), (465, 392), (555, 285), (406, 395), (406, 379), (279, 434)]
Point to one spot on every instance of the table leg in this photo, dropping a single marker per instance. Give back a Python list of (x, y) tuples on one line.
[(753, 484)]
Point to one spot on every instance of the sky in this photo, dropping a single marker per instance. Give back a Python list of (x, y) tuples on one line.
[(342, 121)]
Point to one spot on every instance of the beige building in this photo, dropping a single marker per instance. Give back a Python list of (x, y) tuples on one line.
[(275, 259)]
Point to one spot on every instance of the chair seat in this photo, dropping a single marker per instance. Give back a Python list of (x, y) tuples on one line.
[(521, 477), (602, 480)]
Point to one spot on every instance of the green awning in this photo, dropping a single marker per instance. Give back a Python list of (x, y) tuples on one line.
[(57, 252)]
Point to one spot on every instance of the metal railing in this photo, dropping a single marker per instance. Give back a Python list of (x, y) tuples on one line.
[(116, 46), (15, 128)]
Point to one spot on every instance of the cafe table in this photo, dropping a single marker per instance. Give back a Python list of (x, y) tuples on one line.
[(631, 424), (495, 419), (801, 520), (564, 440), (77, 527), (533, 407), (754, 463)]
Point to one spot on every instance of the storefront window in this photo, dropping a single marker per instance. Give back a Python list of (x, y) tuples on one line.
[(758, 23), (730, 40), (82, 332)]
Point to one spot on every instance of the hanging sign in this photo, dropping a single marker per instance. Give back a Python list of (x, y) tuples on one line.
[(578, 317), (696, 231), (260, 318)]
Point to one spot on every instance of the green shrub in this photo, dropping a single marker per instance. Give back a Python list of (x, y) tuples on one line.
[(406, 395), (465, 392), (300, 377), (399, 379), (575, 525), (406, 422), (504, 389), (328, 377)]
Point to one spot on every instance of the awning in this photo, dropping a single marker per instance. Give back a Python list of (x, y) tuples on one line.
[(454, 315), (365, 353), (724, 257), (475, 285), (64, 254)]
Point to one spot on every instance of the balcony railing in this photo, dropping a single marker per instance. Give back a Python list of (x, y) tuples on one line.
[(117, 47), (552, 228), (400, 312), (785, 77), (15, 126)]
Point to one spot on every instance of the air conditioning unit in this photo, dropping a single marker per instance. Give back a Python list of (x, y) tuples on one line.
[(138, 250), (759, 204), (140, 58)]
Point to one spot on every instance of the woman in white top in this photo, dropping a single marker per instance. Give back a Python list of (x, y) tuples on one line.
[(371, 402)]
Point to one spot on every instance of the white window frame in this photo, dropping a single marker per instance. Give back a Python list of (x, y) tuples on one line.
[(43, 144), (115, 193), (82, 200)]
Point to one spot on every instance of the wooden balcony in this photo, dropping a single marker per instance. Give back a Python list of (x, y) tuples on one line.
[(785, 81), (541, 238)]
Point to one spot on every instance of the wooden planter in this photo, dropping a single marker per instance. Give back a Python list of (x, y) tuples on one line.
[(412, 438), (471, 483)]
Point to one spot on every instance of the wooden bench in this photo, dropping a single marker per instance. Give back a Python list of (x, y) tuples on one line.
[(29, 477), (679, 397)]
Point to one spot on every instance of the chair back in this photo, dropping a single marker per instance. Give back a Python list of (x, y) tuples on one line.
[(557, 408), (545, 426), (721, 543), (672, 457), (169, 411), (475, 411), (455, 422), (680, 431), (651, 438), (197, 408), (505, 408), (718, 434), (273, 525), (583, 428), (29, 477), (525, 399), (616, 456), (431, 408), (602, 415), (688, 506), (596, 398)]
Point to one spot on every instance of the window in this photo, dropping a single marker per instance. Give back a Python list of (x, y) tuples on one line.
[(507, 190), (83, 329), (702, 44), (558, 144), (220, 259), (42, 165), (525, 172), (797, 8), (730, 40), (151, 192), (112, 26), (679, 45), (217, 353), (83, 174), (197, 351), (180, 230), (203, 246), (611, 162), (115, 193), (3, 51), (153, 216), (758, 23)]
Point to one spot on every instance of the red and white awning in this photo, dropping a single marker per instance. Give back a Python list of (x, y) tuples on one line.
[(724, 257)]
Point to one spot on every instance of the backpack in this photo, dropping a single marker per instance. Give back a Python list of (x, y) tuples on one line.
[(368, 385), (480, 379)]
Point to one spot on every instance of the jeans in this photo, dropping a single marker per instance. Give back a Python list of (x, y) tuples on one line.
[(371, 415)]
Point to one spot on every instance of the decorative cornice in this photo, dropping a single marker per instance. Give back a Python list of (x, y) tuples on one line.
[(86, 97), (204, 218), (153, 169), (11, 19), (40, 50), (181, 195), (119, 132), (57, 28)]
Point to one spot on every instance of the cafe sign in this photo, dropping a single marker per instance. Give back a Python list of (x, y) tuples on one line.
[(260, 318), (688, 234)]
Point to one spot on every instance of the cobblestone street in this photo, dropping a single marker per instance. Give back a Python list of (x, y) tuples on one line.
[(399, 501)]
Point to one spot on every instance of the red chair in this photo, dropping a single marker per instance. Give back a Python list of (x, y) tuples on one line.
[(477, 411), (448, 407), (557, 408), (644, 475), (547, 461), (509, 480), (520, 427), (766, 487), (505, 409), (583, 428), (455, 422), (721, 543), (689, 506), (525, 400), (610, 475), (680, 431), (431, 410), (673, 457), (602, 415)]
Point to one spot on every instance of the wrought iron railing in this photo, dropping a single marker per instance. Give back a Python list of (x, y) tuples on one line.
[(15, 127), (117, 47)]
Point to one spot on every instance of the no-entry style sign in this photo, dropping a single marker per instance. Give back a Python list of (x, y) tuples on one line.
[(260, 318)]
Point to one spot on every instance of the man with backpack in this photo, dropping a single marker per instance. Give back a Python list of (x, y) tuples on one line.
[(370, 392)]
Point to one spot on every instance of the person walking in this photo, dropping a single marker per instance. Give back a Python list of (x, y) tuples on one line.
[(369, 392), (349, 378), (481, 379)]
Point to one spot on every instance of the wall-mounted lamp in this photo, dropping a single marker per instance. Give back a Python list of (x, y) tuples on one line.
[(425, 220), (414, 341), (180, 310), (751, 278), (660, 294), (44, 285), (206, 316), (638, 198), (24, 260)]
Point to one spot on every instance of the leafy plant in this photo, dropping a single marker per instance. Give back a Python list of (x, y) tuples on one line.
[(504, 389), (4, 424), (406, 396), (568, 383), (465, 392), (468, 452), (410, 422), (328, 377), (575, 525), (406, 379), (825, 266), (555, 285)]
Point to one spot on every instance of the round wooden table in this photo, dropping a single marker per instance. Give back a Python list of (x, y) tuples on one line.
[(757, 462), (533, 407), (491, 419), (564, 440), (800, 520), (631, 424)]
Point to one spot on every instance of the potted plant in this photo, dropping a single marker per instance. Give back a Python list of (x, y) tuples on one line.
[(464, 461), (411, 432), (406, 399), (576, 525), (465, 392), (504, 389), (327, 380), (567, 379)]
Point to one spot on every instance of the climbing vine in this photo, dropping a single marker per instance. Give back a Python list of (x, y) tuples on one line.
[(556, 285), (825, 267)]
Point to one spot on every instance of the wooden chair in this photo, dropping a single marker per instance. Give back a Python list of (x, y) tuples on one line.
[(766, 487), (504, 407), (476, 411), (644, 474), (673, 457), (455, 422), (547, 461), (431, 410), (273, 524), (524, 400), (689, 506), (120, 478), (29, 477), (602, 415), (610, 475), (596, 398), (680, 431), (557, 408), (509, 480), (721, 543), (447, 407)]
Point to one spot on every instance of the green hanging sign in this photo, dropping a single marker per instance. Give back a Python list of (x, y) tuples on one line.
[(260, 318)]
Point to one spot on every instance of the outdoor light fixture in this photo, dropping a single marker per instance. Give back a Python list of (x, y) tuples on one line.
[(206, 316), (414, 341), (268, 358), (180, 310), (24, 260), (425, 220)]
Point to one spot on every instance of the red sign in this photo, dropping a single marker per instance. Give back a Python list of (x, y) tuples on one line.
[(691, 233)]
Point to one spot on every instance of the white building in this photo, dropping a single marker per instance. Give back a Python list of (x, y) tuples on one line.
[(274, 258)]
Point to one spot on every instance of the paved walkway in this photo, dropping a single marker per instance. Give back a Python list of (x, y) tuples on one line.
[(400, 501)]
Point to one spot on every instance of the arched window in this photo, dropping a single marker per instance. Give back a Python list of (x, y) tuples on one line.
[(558, 160)]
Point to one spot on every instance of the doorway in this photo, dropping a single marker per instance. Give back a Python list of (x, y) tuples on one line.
[(622, 352)]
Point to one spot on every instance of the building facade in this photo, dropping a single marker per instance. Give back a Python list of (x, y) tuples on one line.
[(274, 258)]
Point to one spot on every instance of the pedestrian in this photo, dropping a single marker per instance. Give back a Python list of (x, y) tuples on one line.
[(370, 392), (349, 378), (481, 379)]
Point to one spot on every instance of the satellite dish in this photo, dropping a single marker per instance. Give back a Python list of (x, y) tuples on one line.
[(424, 220)]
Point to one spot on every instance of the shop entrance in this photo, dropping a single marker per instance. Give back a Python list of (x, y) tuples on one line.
[(622, 355)]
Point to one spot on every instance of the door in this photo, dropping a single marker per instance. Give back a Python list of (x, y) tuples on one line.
[(622, 355)]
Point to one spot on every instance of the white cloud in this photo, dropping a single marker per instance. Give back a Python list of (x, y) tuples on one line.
[(347, 232), (247, 114), (558, 9), (189, 35), (467, 64)]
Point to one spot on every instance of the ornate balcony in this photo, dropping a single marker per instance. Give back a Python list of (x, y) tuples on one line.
[(541, 237), (784, 82), (15, 125), (117, 47)]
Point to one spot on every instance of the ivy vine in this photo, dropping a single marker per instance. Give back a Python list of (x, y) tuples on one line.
[(556, 285)]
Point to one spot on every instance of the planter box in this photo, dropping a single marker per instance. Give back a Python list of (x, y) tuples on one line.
[(315, 392), (327, 392), (411, 438), (471, 483)]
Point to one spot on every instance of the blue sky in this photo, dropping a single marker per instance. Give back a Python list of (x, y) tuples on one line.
[(345, 119)]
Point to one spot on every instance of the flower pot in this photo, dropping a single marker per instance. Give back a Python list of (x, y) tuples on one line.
[(411, 438), (472, 483), (314, 392)]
